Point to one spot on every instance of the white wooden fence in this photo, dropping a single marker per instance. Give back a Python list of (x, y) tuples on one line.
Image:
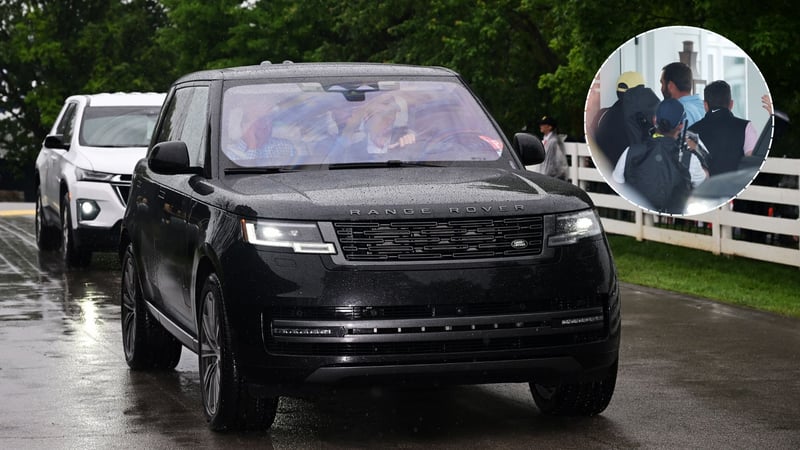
[(725, 225)]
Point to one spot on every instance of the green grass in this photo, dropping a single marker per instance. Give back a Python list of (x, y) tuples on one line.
[(741, 281)]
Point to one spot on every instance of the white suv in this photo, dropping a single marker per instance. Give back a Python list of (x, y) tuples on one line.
[(83, 171)]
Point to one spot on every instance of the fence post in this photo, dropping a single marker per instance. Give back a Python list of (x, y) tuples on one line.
[(719, 232)]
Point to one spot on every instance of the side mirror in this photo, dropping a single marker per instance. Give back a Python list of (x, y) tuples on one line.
[(56, 141), (529, 148), (171, 158)]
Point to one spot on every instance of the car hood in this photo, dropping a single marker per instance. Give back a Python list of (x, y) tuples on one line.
[(120, 160), (400, 193)]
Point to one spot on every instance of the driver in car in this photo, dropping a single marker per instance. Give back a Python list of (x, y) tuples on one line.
[(383, 128)]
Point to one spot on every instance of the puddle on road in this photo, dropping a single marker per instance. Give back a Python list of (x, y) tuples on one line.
[(36, 286)]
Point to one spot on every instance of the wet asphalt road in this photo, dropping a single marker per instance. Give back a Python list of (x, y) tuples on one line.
[(693, 374)]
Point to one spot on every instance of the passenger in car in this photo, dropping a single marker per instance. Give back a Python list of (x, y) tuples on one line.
[(256, 144)]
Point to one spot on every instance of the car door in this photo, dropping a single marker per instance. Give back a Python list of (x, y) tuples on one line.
[(194, 133), (172, 256), (53, 160)]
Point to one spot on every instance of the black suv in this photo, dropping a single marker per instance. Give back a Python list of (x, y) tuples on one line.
[(308, 225)]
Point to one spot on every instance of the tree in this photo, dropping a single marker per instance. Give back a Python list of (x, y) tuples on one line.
[(588, 32), (524, 58), (51, 49), (499, 47)]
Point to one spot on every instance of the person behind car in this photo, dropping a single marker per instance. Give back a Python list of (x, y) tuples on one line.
[(555, 159), (727, 138), (256, 144)]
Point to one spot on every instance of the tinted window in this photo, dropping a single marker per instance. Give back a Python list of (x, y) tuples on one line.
[(185, 120), (194, 130)]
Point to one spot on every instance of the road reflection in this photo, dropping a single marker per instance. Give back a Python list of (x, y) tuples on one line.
[(37, 285), (88, 297)]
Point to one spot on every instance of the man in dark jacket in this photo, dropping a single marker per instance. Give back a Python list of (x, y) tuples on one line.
[(629, 120), (727, 138)]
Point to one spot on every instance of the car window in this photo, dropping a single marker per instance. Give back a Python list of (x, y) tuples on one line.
[(354, 122), (193, 133), (185, 120), (67, 122), (118, 126)]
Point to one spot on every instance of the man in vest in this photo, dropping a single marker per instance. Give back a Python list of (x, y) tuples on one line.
[(727, 138)]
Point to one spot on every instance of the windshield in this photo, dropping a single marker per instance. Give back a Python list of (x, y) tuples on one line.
[(291, 124), (118, 126)]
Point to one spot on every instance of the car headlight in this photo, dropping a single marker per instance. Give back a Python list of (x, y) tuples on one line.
[(87, 209), (570, 228), (300, 237), (91, 175)]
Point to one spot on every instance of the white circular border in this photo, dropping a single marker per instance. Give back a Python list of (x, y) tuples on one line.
[(594, 92)]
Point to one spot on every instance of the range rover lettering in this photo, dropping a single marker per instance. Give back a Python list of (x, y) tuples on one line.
[(303, 226)]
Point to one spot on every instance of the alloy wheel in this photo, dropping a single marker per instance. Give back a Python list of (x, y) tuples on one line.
[(210, 354), (129, 308)]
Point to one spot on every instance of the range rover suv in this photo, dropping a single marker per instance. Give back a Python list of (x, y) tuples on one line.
[(300, 226), (83, 171)]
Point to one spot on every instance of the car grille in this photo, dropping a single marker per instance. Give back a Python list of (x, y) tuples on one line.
[(425, 329), (441, 239)]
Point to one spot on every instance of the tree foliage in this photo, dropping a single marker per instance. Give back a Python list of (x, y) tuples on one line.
[(51, 49), (589, 32), (524, 58)]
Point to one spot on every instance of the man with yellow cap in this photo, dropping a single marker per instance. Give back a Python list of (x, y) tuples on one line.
[(628, 120)]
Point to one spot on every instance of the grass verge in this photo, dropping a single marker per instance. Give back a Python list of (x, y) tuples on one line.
[(741, 281)]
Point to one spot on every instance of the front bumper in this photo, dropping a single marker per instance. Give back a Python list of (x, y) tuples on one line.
[(100, 232), (303, 320)]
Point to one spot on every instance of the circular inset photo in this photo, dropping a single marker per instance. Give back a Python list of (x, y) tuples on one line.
[(678, 120)]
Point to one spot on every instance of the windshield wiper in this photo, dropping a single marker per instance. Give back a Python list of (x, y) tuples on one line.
[(389, 163), (258, 170)]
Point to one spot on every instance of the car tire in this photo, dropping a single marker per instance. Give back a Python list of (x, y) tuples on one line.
[(146, 343), (227, 404), (73, 254), (586, 398), (47, 236)]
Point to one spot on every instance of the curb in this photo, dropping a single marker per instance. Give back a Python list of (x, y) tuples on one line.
[(17, 212), (11, 209)]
